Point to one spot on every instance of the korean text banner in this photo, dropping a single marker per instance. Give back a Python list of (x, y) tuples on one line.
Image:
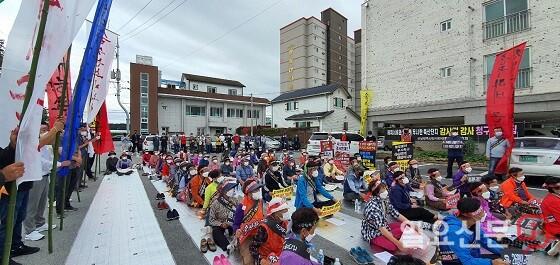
[(54, 92), (439, 133)]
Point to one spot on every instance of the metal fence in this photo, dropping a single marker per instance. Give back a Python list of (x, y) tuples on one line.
[(505, 25), (524, 79)]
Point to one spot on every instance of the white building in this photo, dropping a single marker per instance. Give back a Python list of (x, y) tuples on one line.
[(323, 107), (428, 63)]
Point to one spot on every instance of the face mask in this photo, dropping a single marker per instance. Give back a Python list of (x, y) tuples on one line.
[(206, 158), (468, 169), (331, 162), (252, 152), (405, 180), (454, 134), (246, 163), (495, 188), (439, 178), (199, 155), (257, 195), (215, 160), (123, 158), (230, 193), (291, 155), (205, 174), (359, 158), (322, 158), (227, 163), (384, 195), (291, 164), (184, 168), (396, 169), (486, 195), (83, 133), (220, 179), (521, 178), (414, 166), (192, 172), (309, 237), (113, 156), (499, 134), (169, 161), (274, 169), (315, 173), (285, 217), (483, 218)]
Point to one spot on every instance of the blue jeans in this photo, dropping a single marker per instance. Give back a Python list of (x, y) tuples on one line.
[(20, 213), (493, 163)]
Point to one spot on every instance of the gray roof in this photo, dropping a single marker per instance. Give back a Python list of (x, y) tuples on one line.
[(212, 80), (312, 115), (307, 92)]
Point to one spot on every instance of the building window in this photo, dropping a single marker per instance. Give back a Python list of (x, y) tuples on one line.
[(292, 106), (524, 76), (234, 113), (445, 72), (303, 124), (211, 89), (504, 17), (339, 37), (339, 102), (232, 92), (317, 49), (196, 111), (144, 85), (216, 112), (256, 114), (195, 87), (446, 25)]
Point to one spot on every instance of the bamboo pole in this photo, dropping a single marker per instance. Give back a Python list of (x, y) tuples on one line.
[(28, 93), (53, 177)]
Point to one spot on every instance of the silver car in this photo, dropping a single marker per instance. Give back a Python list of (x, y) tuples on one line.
[(537, 156)]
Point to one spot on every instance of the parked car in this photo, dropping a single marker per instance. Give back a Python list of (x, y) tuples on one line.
[(537, 156), (384, 144), (290, 142), (314, 145), (271, 143), (148, 143), (540, 132)]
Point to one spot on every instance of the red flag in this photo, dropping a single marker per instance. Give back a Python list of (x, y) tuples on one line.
[(500, 97), (54, 92), (105, 143)]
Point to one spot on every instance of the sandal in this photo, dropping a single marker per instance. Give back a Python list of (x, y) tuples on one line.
[(211, 244), (203, 245)]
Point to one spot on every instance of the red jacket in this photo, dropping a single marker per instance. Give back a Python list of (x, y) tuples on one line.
[(236, 139), (274, 243), (509, 188), (551, 214)]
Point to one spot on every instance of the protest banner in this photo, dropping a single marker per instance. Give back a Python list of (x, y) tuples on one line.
[(368, 176), (342, 152), (402, 153), (411, 239), (330, 210), (451, 201), (440, 133), (453, 144), (327, 148), (516, 256), (367, 151), (283, 193)]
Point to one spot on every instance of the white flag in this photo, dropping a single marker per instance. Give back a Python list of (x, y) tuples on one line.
[(65, 18)]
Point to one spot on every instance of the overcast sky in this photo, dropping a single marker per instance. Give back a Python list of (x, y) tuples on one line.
[(249, 54)]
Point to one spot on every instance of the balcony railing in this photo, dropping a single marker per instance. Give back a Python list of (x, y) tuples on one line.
[(505, 25), (524, 79)]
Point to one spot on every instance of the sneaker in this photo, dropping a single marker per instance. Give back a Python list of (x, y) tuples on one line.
[(34, 236), (170, 215), (24, 250), (70, 209), (175, 214), (365, 255), (44, 228), (357, 257)]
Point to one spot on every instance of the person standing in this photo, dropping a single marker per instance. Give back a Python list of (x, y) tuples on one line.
[(135, 138), (237, 141), (496, 149), (371, 137), (208, 143), (164, 139), (175, 141), (407, 136), (155, 141), (222, 142), (183, 141), (454, 155), (247, 141), (297, 144), (125, 143), (83, 143), (192, 143)]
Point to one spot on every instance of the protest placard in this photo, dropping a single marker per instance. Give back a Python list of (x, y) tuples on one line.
[(327, 148), (342, 152), (411, 239), (330, 210), (516, 256), (451, 201), (453, 144), (367, 151), (402, 153), (283, 193), (473, 178)]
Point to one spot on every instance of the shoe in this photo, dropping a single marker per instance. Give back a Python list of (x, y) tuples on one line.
[(44, 228), (211, 244), (58, 215), (164, 205), (82, 186), (34, 236), (159, 206), (169, 215), (203, 245), (365, 255), (70, 209), (11, 262), (224, 259), (554, 250), (357, 257), (23, 250), (217, 261), (175, 214)]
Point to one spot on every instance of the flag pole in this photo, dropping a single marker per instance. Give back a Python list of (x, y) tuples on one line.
[(28, 93), (53, 177)]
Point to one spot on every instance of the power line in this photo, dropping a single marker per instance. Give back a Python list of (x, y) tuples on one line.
[(149, 18), (128, 38), (223, 35), (135, 15)]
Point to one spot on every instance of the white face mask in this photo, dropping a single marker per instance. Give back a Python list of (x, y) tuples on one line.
[(274, 169), (206, 158), (494, 188), (384, 195), (227, 163), (220, 179), (205, 174), (309, 237), (486, 195), (113, 156), (414, 166), (83, 133), (521, 178), (285, 216), (331, 162), (483, 218), (499, 134), (468, 169), (359, 158), (439, 178), (215, 160), (246, 163), (256, 195), (192, 172), (454, 134), (405, 180), (169, 161), (123, 158), (315, 173), (396, 169)]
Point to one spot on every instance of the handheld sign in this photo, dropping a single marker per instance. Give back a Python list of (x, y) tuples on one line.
[(283, 193), (411, 239), (473, 178), (327, 148), (330, 210), (453, 144), (367, 151), (516, 256), (451, 201), (402, 153)]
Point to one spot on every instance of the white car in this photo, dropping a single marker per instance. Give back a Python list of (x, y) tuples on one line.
[(314, 143), (537, 156), (148, 144)]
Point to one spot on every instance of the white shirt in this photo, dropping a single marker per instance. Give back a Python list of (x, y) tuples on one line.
[(47, 157)]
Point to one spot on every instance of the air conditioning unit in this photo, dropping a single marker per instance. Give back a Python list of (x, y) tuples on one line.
[(305, 111)]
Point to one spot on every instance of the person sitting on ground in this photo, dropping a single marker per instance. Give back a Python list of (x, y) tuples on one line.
[(400, 199), (205, 161), (390, 174), (111, 163), (248, 215), (146, 158), (262, 165), (551, 212), (480, 192), (516, 197), (413, 174), (375, 176), (460, 239), (124, 165), (214, 165), (289, 172), (436, 193), (196, 187), (273, 179), (211, 189), (321, 176), (269, 240), (184, 174), (331, 171), (196, 158), (353, 183), (460, 179), (221, 213), (297, 245), (154, 160), (303, 158), (385, 167), (307, 188), (376, 229), (226, 169), (244, 172), (495, 194)]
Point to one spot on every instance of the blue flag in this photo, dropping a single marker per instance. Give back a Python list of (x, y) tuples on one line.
[(81, 90)]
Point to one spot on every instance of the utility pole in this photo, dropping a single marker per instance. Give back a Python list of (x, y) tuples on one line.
[(252, 114), (117, 76)]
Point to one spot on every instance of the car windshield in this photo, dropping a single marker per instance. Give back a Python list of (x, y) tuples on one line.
[(536, 143)]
